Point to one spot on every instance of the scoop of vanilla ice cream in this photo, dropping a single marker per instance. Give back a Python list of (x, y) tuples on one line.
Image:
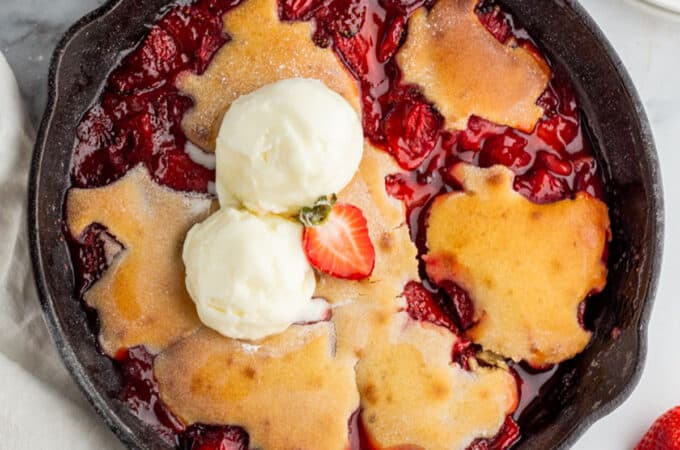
[(285, 145), (248, 274)]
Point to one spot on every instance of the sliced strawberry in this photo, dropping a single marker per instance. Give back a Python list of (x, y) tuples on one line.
[(340, 246), (664, 434)]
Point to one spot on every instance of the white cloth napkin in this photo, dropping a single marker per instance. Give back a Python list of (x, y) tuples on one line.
[(40, 405)]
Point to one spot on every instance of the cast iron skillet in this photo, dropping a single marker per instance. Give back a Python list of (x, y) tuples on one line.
[(582, 391)]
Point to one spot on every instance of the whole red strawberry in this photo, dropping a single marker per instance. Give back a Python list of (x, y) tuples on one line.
[(664, 434)]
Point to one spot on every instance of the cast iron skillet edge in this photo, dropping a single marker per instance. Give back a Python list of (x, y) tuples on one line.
[(66, 351), (101, 401)]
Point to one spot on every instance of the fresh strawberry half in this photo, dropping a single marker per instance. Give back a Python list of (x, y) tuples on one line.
[(336, 240), (664, 433)]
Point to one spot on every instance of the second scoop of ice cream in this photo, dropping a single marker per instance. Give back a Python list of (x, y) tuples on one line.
[(248, 274)]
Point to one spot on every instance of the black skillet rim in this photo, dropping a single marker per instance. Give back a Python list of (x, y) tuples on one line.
[(119, 427)]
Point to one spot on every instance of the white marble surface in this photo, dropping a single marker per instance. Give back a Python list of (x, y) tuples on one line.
[(647, 41), (29, 31)]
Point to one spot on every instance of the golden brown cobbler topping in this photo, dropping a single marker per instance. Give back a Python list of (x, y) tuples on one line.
[(411, 393), (141, 298), (464, 70), (290, 391), (262, 50), (526, 266)]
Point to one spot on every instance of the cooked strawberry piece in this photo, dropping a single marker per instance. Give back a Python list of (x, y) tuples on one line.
[(210, 43), (344, 17), (586, 177), (178, 171), (496, 21), (541, 187), (549, 100), (341, 246), (568, 106), (412, 130), (554, 163), (92, 260), (179, 23), (477, 131), (400, 186), (664, 434), (335, 19), (96, 128), (160, 54), (352, 51), (297, 9), (506, 437), (438, 272), (391, 39), (462, 303), (507, 149), (558, 131), (421, 305), (140, 391), (158, 57), (100, 154), (213, 437), (197, 32)]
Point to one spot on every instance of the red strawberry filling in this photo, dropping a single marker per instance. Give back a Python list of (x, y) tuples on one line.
[(140, 392), (138, 121), (207, 437), (506, 437), (138, 117)]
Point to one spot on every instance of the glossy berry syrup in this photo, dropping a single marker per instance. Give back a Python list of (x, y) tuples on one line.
[(140, 392), (138, 120)]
